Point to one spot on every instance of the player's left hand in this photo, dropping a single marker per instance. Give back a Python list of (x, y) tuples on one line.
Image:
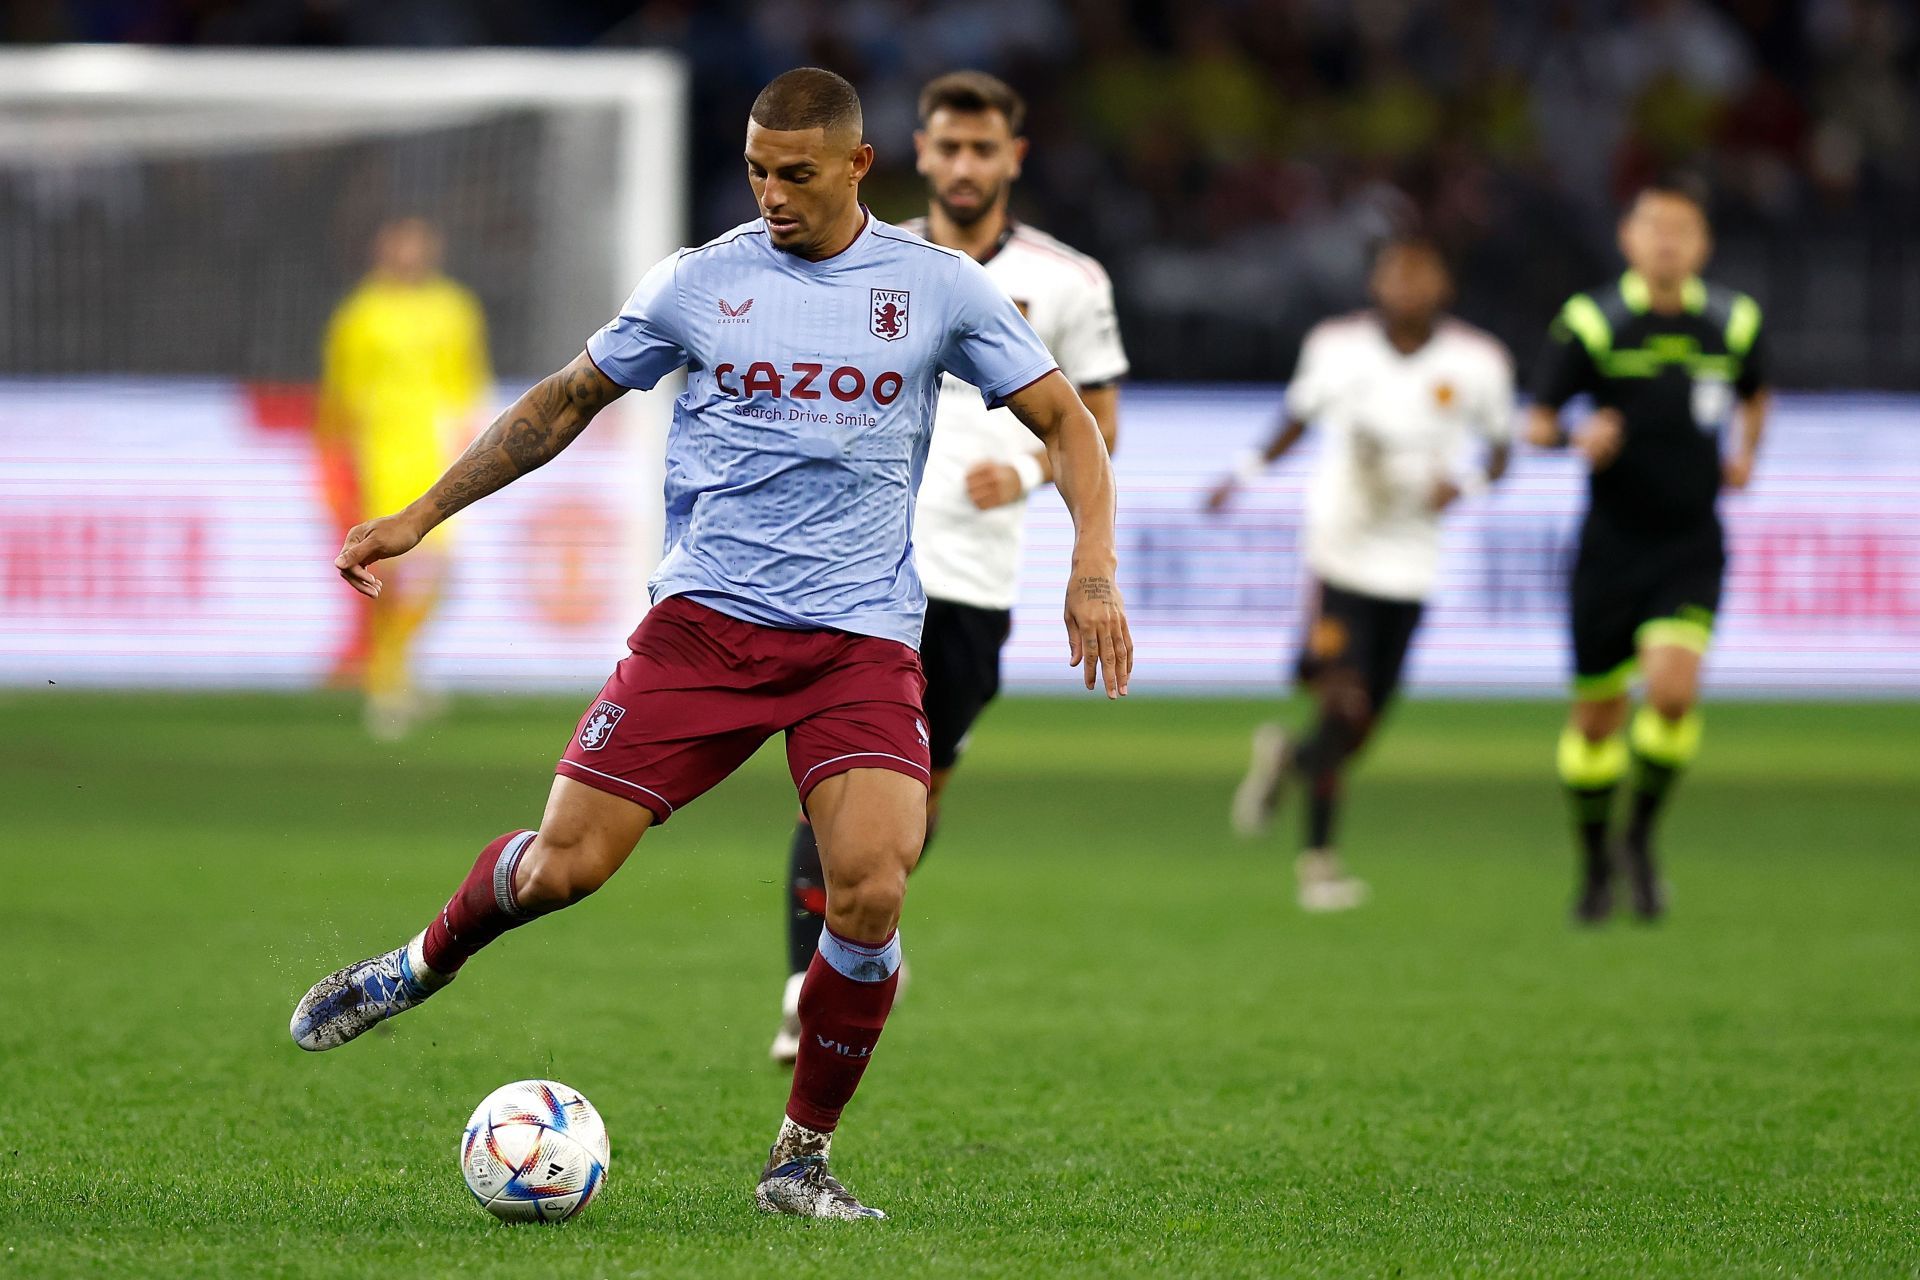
[(1097, 634), (1737, 470), (993, 484)]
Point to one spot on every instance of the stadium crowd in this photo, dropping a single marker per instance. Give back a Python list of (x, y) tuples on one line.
[(1232, 160)]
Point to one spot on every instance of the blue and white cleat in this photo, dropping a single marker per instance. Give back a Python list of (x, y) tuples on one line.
[(802, 1188), (350, 1001)]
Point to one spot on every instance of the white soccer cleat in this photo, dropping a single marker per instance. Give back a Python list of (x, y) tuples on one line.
[(1325, 886), (786, 1041), (802, 1188), (1258, 794), (350, 1001)]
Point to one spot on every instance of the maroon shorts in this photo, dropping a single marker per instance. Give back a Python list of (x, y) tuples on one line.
[(700, 692)]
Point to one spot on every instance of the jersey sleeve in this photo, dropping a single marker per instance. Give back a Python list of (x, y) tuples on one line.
[(1088, 347), (1747, 339), (1313, 386), (1493, 413), (1566, 366), (644, 343), (989, 343)]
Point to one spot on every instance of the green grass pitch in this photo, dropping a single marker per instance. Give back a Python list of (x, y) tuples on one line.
[(1123, 1052)]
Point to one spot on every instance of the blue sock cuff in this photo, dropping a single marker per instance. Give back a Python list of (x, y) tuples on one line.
[(503, 869), (861, 961)]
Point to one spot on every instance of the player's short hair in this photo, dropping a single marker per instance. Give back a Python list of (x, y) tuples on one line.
[(969, 92), (809, 98), (1690, 187)]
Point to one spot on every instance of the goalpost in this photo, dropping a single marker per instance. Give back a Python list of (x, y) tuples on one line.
[(175, 228)]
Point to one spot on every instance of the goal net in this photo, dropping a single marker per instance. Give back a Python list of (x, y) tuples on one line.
[(176, 229)]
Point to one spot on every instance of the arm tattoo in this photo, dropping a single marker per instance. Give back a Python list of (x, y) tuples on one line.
[(1099, 590), (530, 434)]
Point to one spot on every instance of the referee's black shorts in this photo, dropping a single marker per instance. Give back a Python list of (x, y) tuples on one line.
[(1633, 590), (960, 654), (1367, 635)]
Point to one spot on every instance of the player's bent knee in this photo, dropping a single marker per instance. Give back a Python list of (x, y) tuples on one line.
[(559, 871), (866, 908)]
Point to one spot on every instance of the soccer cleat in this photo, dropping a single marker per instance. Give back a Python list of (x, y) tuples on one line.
[(1644, 889), (803, 1188), (1258, 795), (1324, 885), (349, 1001), (1595, 902), (786, 1041)]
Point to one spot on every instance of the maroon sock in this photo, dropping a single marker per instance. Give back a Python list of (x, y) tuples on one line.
[(843, 1006), (481, 909)]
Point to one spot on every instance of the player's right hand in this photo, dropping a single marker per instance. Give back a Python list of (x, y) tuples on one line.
[(1221, 495), (1600, 437), (370, 542)]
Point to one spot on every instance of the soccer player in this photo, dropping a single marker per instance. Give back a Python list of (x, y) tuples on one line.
[(982, 464), (814, 339), (1398, 391), (404, 366), (1665, 358)]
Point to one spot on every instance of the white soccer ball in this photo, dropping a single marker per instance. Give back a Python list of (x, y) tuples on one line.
[(535, 1151)]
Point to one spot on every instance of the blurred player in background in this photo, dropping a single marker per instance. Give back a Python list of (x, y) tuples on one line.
[(814, 340), (982, 464), (1666, 358), (1398, 392), (403, 370)]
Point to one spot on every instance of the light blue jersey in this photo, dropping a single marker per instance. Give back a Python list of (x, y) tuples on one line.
[(797, 447)]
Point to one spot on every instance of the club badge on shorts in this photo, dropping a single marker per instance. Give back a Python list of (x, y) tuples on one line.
[(889, 320), (598, 726)]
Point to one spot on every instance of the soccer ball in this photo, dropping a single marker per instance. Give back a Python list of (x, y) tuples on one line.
[(535, 1151)]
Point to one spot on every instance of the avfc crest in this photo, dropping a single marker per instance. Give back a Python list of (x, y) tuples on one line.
[(597, 728), (889, 320)]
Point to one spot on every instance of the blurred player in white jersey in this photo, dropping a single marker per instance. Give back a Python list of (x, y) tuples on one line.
[(1398, 391), (982, 464)]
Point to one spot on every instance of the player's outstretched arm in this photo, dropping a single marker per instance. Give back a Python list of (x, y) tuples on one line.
[(1254, 462), (546, 418), (1097, 634)]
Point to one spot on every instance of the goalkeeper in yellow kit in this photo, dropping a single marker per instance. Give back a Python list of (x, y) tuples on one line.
[(403, 370)]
